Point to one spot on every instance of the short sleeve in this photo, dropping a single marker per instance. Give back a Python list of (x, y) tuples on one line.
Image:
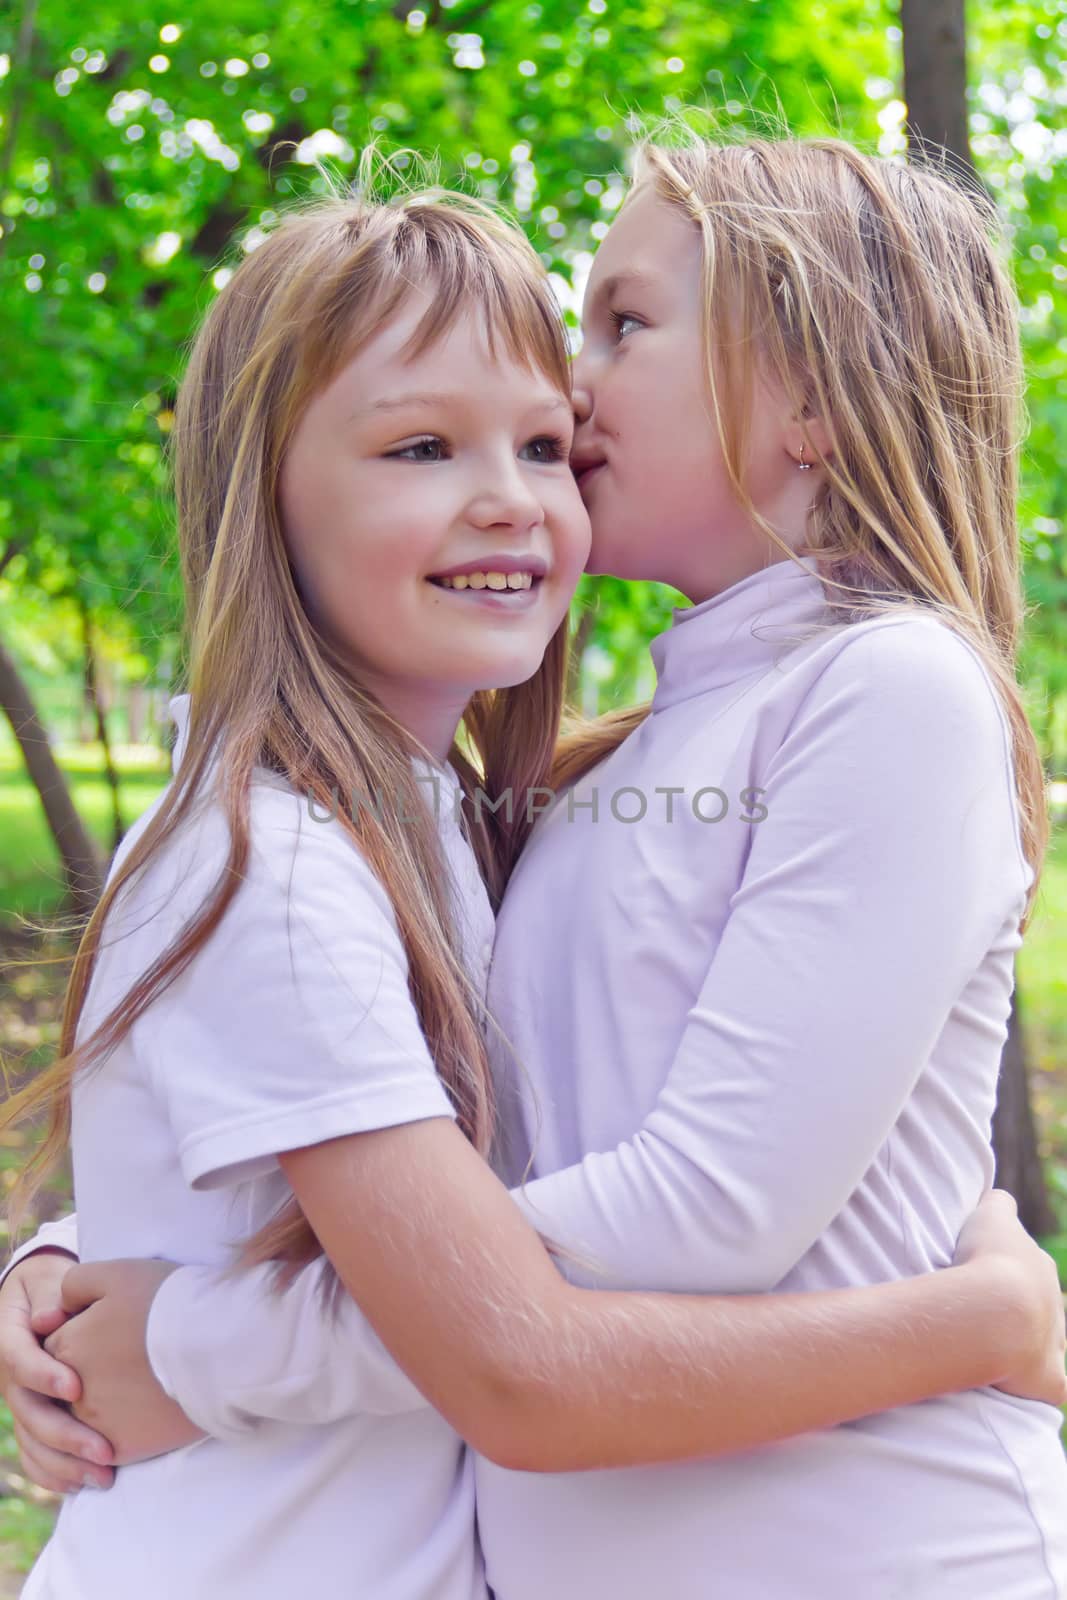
[(294, 1023)]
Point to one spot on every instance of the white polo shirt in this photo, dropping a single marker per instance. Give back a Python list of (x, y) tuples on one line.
[(294, 1025)]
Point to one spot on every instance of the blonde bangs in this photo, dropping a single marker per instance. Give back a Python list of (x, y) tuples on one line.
[(472, 268)]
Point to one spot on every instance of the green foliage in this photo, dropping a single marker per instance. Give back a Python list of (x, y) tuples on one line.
[(145, 153), (147, 150), (1017, 118)]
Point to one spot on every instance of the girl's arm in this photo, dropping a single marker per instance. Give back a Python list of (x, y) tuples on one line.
[(302, 1367), (539, 1375), (887, 867), (542, 1376), (61, 1236), (233, 1354)]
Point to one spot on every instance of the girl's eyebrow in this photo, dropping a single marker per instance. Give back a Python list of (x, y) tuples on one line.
[(629, 278), (400, 401), (403, 402)]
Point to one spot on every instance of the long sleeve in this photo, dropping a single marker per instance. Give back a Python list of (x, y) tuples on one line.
[(59, 1235), (232, 1352), (887, 865)]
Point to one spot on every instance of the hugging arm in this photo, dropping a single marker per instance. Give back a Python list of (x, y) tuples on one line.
[(540, 1375)]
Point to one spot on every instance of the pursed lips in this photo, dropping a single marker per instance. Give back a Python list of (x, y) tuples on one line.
[(582, 475), (584, 463)]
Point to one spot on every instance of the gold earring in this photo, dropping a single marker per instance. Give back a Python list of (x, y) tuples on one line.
[(802, 465)]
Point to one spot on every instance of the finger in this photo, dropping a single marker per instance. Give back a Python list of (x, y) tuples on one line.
[(48, 1319), (47, 1425), (40, 1370), (85, 1283), (1004, 1201), (60, 1473), (55, 1483)]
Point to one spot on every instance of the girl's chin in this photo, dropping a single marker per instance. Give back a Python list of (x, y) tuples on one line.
[(503, 672)]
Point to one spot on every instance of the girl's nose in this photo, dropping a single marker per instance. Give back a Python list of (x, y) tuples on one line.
[(510, 501)]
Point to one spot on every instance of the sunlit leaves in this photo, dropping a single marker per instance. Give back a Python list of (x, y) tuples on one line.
[(147, 147)]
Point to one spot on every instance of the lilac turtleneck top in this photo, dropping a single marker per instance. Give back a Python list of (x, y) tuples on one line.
[(762, 1056)]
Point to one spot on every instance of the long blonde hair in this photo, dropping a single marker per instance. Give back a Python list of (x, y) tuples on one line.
[(266, 687), (874, 294)]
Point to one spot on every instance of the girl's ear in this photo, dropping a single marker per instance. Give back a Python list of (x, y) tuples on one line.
[(810, 435)]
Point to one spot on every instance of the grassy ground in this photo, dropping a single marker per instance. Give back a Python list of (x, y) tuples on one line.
[(30, 880), (32, 974)]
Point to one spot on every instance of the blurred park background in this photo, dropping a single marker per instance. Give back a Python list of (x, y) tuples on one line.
[(144, 148)]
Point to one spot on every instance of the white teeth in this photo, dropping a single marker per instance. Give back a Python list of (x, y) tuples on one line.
[(489, 580)]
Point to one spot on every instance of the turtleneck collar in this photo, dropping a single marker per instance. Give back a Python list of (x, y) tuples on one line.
[(738, 632)]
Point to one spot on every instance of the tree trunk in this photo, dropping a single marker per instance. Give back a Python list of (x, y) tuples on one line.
[(935, 75), (95, 703), (1015, 1135), (935, 92), (137, 702), (81, 864)]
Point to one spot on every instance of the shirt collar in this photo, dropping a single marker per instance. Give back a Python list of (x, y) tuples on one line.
[(738, 632), (178, 711)]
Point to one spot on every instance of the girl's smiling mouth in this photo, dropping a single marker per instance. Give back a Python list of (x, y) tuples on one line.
[(504, 582)]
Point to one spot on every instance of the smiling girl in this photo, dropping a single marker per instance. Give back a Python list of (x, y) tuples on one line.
[(284, 1017)]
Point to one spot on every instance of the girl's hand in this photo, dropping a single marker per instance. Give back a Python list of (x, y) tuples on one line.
[(995, 1235), (104, 1341), (55, 1451)]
